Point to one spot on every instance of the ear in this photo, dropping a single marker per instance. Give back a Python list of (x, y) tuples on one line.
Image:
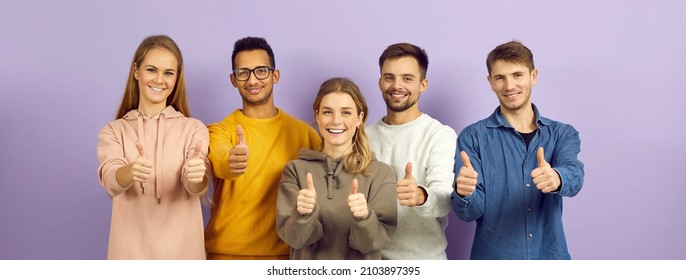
[(534, 77), (360, 117), (276, 74), (233, 80), (135, 71), (490, 83), (423, 85)]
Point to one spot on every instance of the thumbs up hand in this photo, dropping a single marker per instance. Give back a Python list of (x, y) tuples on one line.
[(307, 197), (195, 167), (142, 167), (409, 194), (238, 155), (357, 203), (544, 176), (466, 177)]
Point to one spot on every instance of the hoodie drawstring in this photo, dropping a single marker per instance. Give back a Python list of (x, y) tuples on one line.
[(332, 176), (158, 153), (159, 150), (141, 139)]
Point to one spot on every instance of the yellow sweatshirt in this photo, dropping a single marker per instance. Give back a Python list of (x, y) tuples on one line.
[(242, 222)]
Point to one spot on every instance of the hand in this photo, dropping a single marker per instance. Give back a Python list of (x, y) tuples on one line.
[(238, 155), (195, 168), (466, 177), (142, 167), (409, 194), (307, 198), (544, 176), (357, 203)]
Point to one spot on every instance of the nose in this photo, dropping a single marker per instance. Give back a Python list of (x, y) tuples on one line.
[(397, 84), (509, 83), (251, 77), (336, 119), (158, 77)]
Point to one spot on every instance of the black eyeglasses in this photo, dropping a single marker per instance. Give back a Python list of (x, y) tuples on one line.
[(261, 73)]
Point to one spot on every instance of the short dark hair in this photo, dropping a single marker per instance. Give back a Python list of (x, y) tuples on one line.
[(514, 52), (249, 44), (406, 49)]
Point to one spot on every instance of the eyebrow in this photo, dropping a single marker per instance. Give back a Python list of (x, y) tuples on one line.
[(344, 108), (508, 74), (153, 66), (402, 75)]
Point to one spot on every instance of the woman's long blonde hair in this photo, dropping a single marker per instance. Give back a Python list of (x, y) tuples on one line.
[(357, 162)]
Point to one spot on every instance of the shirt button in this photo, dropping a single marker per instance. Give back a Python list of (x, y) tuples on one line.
[(528, 185), (528, 209), (531, 235)]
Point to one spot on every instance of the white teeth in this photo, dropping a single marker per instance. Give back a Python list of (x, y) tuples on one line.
[(156, 89), (336, 131)]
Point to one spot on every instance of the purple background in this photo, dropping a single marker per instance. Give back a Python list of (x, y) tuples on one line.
[(614, 70)]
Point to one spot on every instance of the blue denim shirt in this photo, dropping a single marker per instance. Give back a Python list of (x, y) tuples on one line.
[(514, 219)]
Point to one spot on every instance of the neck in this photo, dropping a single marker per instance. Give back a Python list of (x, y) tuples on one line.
[(264, 111), (398, 118), (522, 120), (336, 152), (150, 111)]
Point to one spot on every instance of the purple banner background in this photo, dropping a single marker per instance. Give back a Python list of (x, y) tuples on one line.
[(614, 70)]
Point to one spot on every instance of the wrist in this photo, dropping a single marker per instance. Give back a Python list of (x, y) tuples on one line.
[(423, 195)]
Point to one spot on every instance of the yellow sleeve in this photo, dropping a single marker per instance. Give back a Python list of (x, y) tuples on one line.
[(221, 142)]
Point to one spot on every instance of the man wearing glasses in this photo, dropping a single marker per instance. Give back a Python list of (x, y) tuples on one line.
[(248, 151)]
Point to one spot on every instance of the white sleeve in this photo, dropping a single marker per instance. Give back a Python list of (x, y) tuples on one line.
[(439, 173)]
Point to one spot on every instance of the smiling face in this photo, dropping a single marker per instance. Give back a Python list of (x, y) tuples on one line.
[(156, 75), (254, 91), (401, 83), (338, 119), (512, 83)]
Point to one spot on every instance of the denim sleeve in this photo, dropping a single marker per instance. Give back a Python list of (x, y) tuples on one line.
[(469, 208), (566, 163)]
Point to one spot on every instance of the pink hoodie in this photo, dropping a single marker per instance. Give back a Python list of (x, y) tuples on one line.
[(160, 218)]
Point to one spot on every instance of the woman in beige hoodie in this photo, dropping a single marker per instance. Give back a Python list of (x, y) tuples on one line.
[(340, 202), (153, 161)]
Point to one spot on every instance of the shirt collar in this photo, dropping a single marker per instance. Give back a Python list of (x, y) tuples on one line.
[(498, 120)]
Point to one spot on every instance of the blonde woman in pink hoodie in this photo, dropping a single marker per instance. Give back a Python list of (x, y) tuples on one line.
[(153, 161)]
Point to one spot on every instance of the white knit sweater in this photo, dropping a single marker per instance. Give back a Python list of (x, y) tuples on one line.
[(430, 146)]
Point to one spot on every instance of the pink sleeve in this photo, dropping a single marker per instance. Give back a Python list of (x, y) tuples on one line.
[(200, 134), (111, 156)]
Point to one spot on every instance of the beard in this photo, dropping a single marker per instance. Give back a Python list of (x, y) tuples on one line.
[(256, 100), (398, 106)]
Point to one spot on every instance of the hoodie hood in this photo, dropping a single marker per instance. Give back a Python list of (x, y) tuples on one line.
[(168, 113), (334, 167)]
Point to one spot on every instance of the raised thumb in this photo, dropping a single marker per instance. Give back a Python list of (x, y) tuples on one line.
[(196, 152), (408, 170), (139, 146), (353, 188), (541, 157), (310, 184), (465, 160), (241, 136)]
